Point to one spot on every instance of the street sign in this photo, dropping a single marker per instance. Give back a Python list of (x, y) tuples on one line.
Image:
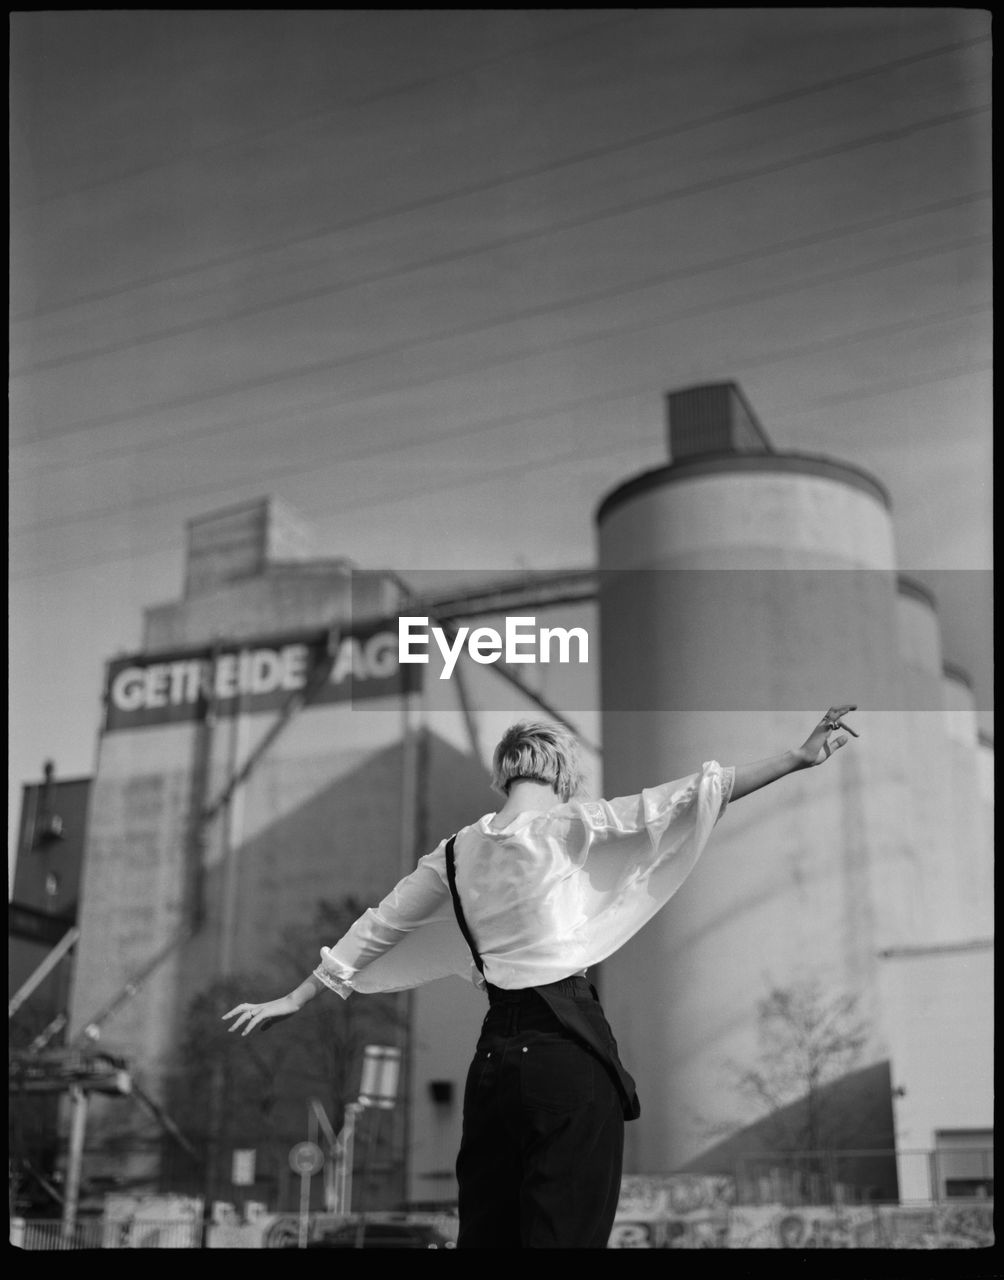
[(306, 1158), (242, 1167)]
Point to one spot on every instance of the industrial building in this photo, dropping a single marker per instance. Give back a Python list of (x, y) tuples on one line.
[(42, 929), (743, 591), (264, 752)]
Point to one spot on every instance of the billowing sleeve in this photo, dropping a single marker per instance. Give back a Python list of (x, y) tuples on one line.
[(410, 937), (661, 813), (636, 851)]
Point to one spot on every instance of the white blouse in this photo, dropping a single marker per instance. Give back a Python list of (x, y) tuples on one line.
[(548, 895)]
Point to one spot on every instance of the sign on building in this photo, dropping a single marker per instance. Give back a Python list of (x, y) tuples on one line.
[(243, 1167), (165, 688)]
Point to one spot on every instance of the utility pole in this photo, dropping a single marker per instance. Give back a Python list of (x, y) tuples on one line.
[(317, 1119), (77, 1073), (78, 1125)]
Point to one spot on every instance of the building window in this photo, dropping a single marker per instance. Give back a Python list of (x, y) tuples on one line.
[(964, 1164)]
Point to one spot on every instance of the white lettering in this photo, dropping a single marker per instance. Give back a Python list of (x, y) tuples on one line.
[(347, 661), (245, 671), (127, 689), (156, 684), (249, 672), (264, 671), (485, 645), (293, 674), (375, 660), (225, 678), (405, 640), (482, 638), (184, 683), (381, 654), (450, 655), (196, 680), (514, 637), (564, 639)]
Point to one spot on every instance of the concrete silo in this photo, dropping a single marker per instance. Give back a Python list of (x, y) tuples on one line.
[(742, 591)]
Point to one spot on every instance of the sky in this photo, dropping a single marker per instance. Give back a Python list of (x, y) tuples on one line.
[(427, 275)]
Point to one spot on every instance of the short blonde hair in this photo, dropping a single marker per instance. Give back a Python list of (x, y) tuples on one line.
[(537, 752)]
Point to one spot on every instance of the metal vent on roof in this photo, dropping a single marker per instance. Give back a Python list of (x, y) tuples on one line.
[(715, 418)]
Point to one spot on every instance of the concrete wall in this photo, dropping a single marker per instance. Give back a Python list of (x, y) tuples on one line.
[(939, 1015), (755, 656), (736, 606), (134, 899)]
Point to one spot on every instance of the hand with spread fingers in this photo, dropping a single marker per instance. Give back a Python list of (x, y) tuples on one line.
[(820, 744), (261, 1016)]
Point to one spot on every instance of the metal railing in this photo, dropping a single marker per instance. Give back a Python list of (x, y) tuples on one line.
[(49, 1234), (847, 1177)]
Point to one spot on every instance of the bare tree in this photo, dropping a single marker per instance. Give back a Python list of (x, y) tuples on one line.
[(232, 1092), (328, 1036), (808, 1041)]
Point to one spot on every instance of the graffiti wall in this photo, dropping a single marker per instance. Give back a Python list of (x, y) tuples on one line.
[(152, 1222), (686, 1212), (863, 1227), (672, 1212)]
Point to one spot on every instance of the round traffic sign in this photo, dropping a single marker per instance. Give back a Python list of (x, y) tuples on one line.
[(306, 1158)]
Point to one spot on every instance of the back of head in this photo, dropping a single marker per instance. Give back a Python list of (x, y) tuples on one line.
[(535, 751)]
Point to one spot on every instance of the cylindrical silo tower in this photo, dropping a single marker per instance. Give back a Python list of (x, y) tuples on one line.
[(743, 591)]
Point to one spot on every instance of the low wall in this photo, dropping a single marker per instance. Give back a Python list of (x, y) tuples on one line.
[(673, 1212), (681, 1212)]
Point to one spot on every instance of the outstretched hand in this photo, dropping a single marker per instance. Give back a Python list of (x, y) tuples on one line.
[(254, 1016), (820, 744)]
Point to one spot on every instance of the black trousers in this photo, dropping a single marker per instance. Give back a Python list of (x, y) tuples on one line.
[(543, 1140)]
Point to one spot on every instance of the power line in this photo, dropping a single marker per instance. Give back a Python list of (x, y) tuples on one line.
[(348, 105), (498, 423), (391, 273), (477, 188), (899, 384), (575, 454), (411, 382), (317, 366), (651, 281)]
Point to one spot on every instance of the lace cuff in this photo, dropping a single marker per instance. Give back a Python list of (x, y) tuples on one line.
[(728, 781), (326, 972)]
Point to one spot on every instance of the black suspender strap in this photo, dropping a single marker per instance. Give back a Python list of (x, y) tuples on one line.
[(571, 1013), (451, 876)]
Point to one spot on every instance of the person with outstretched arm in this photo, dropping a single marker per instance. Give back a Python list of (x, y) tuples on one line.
[(522, 902)]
